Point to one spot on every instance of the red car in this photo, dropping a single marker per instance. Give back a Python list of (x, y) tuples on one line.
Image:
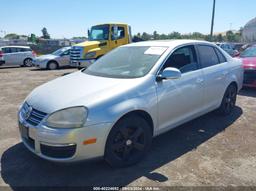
[(248, 56)]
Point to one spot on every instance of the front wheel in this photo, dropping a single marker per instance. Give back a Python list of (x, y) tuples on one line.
[(229, 100), (52, 65), (128, 141)]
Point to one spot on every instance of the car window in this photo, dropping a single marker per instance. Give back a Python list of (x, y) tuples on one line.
[(120, 33), (67, 52), (208, 56), (221, 57), (25, 50), (7, 50), (183, 59)]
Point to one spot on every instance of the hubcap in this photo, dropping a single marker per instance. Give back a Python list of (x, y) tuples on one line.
[(128, 143), (230, 100)]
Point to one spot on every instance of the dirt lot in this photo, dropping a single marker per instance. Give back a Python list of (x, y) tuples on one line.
[(210, 150)]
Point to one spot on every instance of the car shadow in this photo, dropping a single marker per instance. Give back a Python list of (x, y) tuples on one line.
[(19, 167), (246, 91), (9, 67)]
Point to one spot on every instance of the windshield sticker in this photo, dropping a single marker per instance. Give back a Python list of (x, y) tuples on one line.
[(155, 50)]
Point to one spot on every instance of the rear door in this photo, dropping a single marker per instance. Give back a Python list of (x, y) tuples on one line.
[(180, 99), (9, 56), (215, 69)]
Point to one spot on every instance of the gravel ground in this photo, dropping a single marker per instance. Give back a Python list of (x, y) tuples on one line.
[(208, 151)]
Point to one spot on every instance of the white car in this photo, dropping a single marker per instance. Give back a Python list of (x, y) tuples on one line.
[(16, 55), (57, 59), (117, 105)]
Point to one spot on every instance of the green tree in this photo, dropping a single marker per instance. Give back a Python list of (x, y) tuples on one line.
[(45, 34), (11, 36), (145, 36), (155, 35)]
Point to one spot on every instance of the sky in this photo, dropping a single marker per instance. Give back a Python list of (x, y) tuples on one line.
[(69, 18)]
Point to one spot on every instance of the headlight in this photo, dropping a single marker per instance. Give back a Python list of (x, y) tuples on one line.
[(90, 55), (73, 117)]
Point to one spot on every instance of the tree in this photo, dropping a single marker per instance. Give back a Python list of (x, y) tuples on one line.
[(219, 38), (155, 35), (11, 36), (145, 36), (45, 34)]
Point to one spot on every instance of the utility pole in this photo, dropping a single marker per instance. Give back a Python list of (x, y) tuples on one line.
[(213, 15)]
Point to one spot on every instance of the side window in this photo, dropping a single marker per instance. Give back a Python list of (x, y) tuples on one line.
[(67, 52), (7, 50), (118, 33), (183, 59), (208, 57), (221, 57), (14, 50)]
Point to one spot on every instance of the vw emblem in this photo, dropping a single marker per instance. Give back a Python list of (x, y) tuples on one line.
[(28, 112)]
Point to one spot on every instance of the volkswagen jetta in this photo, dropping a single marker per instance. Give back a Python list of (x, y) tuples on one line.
[(116, 106)]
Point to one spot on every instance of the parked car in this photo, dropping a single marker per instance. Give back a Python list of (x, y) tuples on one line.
[(16, 55), (248, 57), (229, 49), (59, 58), (117, 105)]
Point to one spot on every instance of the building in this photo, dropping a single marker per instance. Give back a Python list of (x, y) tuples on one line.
[(249, 31)]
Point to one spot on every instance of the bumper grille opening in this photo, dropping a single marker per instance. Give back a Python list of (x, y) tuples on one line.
[(30, 142), (58, 152), (34, 116), (249, 76)]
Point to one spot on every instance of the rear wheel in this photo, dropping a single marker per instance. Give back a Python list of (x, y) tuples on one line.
[(229, 100), (28, 62), (128, 141), (52, 65)]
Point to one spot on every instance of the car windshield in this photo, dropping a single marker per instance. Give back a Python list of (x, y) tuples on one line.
[(126, 62), (59, 52), (99, 33), (249, 52)]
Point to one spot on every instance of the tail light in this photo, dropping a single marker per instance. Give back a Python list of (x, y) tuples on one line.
[(33, 53), (1, 54)]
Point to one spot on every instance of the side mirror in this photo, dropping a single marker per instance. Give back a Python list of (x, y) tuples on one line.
[(169, 73)]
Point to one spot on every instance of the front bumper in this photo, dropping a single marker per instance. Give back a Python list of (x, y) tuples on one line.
[(2, 62), (64, 145), (40, 64), (249, 78), (82, 63)]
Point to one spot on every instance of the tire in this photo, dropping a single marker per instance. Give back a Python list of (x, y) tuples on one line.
[(228, 101), (28, 62), (128, 141), (52, 65)]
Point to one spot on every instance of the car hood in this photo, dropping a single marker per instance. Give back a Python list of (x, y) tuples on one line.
[(78, 89), (46, 57), (249, 62)]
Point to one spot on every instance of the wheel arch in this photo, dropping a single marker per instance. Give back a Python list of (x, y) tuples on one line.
[(47, 65)]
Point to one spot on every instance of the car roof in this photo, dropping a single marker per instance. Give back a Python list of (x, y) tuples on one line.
[(168, 43), (14, 47)]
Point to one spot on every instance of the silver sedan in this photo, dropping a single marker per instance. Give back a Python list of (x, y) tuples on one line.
[(57, 59), (116, 106)]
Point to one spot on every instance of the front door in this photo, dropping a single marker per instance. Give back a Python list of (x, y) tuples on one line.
[(180, 99), (118, 36)]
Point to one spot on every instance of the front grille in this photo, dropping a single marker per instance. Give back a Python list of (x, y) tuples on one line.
[(249, 76), (58, 151), (76, 53), (31, 115)]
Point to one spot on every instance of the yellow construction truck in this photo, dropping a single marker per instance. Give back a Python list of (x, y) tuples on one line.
[(101, 39)]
